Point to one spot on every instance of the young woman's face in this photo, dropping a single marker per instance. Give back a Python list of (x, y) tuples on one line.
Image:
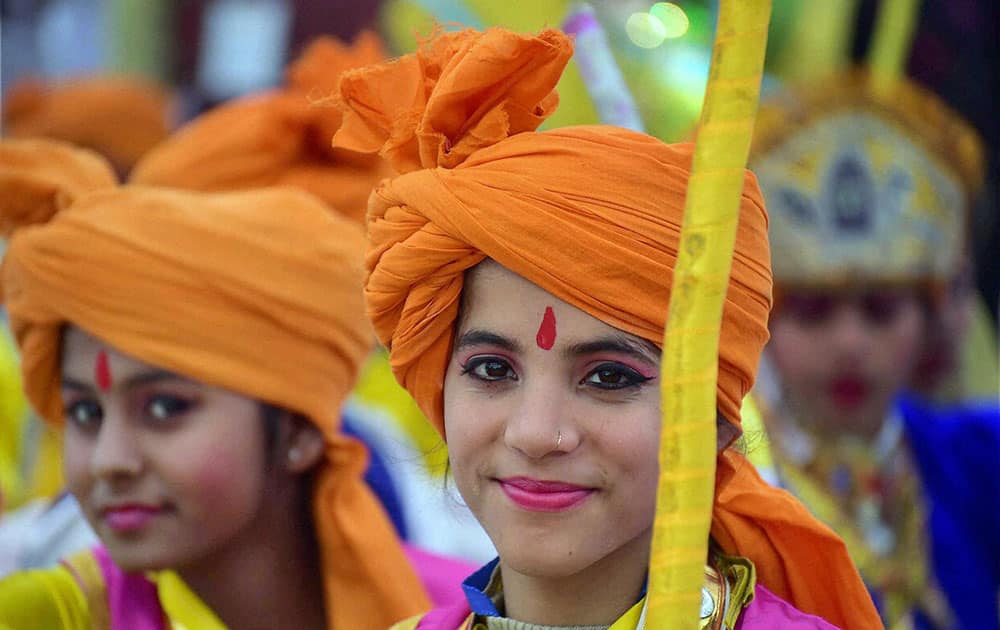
[(166, 469), (553, 422), (842, 356)]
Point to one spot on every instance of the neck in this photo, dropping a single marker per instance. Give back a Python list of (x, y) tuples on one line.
[(597, 595), (835, 429), (269, 577)]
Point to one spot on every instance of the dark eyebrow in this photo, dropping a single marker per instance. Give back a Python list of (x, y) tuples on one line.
[(478, 337), (143, 378), (638, 348)]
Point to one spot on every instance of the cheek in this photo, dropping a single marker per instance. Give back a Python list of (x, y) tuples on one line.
[(900, 345), (630, 448), (470, 417), (630, 442), (796, 349), (76, 461), (467, 433), (217, 474)]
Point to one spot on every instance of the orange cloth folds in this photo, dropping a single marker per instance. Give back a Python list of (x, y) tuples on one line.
[(257, 292), (615, 198), (119, 117), (279, 137)]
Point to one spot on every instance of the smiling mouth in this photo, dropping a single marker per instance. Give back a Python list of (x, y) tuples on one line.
[(544, 496), (129, 518)]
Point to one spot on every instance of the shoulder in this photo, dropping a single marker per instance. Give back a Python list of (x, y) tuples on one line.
[(43, 598), (767, 610), (955, 440), (453, 617), (442, 576), (980, 416)]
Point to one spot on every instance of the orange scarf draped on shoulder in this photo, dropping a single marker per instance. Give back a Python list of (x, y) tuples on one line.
[(458, 120), (257, 292)]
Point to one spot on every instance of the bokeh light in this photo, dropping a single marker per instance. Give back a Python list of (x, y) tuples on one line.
[(645, 30), (675, 21)]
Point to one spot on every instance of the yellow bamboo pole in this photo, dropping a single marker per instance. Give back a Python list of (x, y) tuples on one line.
[(691, 341)]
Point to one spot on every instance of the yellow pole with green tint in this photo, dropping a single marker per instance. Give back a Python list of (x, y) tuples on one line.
[(685, 496), (891, 44)]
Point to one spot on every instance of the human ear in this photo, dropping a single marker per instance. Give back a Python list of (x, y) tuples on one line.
[(304, 445)]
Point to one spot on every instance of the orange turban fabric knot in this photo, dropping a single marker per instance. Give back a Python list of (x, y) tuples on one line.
[(257, 292), (279, 137), (482, 183)]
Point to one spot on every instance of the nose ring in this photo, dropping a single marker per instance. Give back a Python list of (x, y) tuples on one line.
[(558, 439)]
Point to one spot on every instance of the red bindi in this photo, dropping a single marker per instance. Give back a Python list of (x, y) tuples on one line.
[(546, 336), (102, 371)]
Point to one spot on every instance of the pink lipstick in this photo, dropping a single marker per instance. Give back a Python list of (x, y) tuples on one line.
[(544, 496), (129, 517)]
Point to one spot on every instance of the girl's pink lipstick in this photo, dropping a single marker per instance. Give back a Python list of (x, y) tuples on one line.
[(544, 496), (129, 517)]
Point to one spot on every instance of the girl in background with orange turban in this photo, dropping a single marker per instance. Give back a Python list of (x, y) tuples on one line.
[(195, 348), (282, 136), (520, 281), (121, 118)]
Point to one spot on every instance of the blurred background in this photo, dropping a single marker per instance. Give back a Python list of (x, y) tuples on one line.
[(208, 51)]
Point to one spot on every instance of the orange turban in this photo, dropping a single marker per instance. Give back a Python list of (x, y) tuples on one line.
[(457, 119), (256, 292), (120, 118), (278, 137)]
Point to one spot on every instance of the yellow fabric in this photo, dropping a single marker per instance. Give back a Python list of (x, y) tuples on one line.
[(13, 416), (756, 442), (407, 624), (49, 599), (89, 578), (30, 451), (630, 620), (185, 610), (903, 576), (690, 363), (979, 367)]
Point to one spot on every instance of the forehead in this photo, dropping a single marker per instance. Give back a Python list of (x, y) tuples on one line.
[(498, 299), (80, 350)]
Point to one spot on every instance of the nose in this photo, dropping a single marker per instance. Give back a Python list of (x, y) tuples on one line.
[(541, 423), (851, 333), (117, 452)]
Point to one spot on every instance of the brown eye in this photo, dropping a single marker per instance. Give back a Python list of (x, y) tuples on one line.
[(809, 308), (611, 376), (86, 414), (882, 308), (489, 369), (166, 407)]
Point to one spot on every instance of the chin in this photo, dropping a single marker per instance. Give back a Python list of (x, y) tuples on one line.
[(134, 558), (543, 559)]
